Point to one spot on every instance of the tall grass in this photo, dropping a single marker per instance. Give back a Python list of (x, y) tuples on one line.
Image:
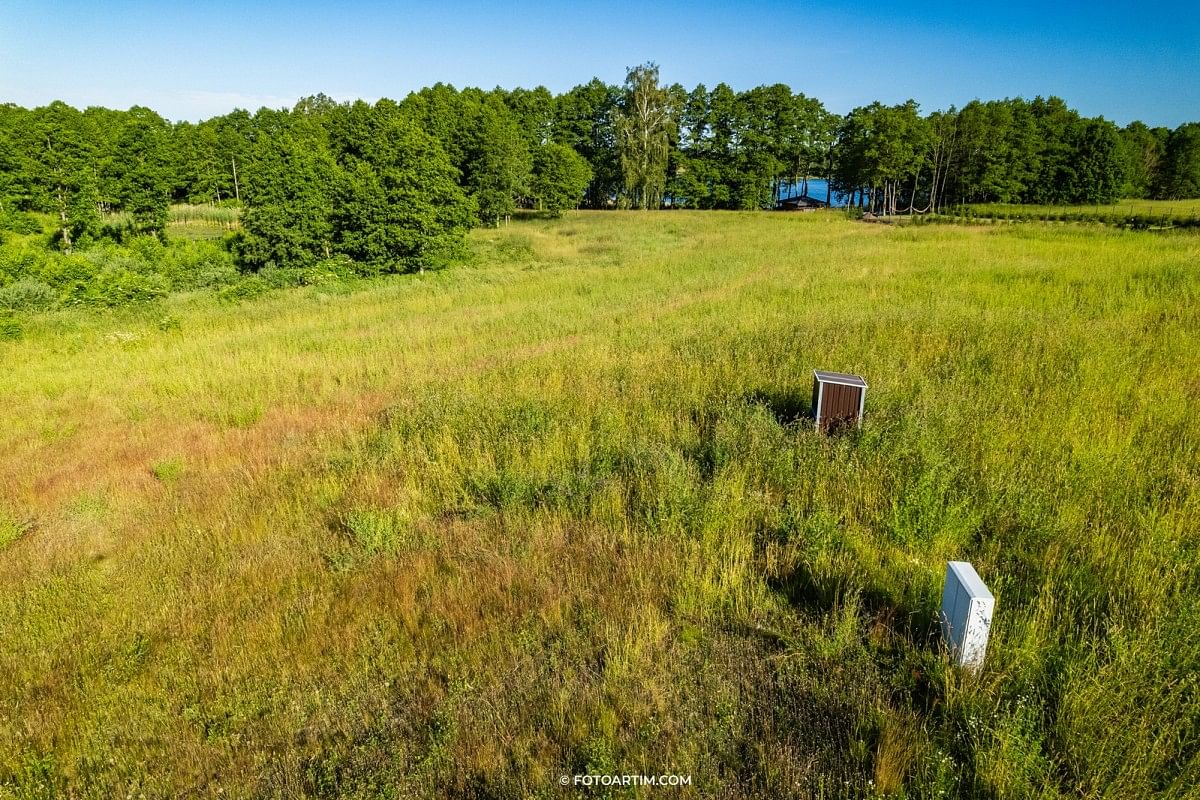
[(227, 215), (186, 221), (559, 511), (1131, 213)]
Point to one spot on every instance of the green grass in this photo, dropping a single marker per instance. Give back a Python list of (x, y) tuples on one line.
[(11, 530), (168, 470), (1131, 212), (558, 511)]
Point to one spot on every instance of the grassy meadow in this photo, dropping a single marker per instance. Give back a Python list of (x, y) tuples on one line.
[(1131, 212), (202, 222), (559, 510)]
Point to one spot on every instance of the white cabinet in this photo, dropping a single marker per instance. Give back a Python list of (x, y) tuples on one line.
[(967, 608)]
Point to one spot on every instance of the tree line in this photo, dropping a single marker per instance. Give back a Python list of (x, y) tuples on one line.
[(393, 185)]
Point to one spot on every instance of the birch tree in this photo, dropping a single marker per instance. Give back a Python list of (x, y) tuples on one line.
[(644, 125)]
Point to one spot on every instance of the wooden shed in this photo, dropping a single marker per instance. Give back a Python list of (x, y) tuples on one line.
[(838, 399)]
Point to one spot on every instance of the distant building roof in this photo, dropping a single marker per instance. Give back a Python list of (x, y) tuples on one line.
[(800, 201)]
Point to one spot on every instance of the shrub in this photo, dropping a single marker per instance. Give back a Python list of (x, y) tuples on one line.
[(321, 273), (280, 277), (167, 323), (18, 262), (19, 222), (70, 275), (121, 285), (344, 267), (27, 294), (198, 265), (113, 230), (247, 288), (149, 249), (128, 258)]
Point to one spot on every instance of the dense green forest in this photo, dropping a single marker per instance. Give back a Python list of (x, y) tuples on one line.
[(393, 186)]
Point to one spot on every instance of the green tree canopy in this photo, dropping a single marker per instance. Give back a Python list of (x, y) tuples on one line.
[(585, 120), (644, 144), (560, 177), (289, 199), (399, 206), (1181, 163), (60, 166), (1143, 150), (144, 179), (497, 163)]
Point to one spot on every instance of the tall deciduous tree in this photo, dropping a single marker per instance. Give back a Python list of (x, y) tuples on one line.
[(143, 170), (1181, 168), (1097, 163), (61, 171), (289, 195), (497, 163), (399, 206), (585, 120), (533, 110), (14, 171), (1143, 150), (644, 127), (560, 177)]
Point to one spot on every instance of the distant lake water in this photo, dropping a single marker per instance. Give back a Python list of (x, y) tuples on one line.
[(816, 190)]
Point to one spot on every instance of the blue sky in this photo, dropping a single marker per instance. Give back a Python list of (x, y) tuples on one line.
[(1128, 60)]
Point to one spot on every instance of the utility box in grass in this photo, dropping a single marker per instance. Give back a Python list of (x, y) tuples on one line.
[(838, 400), (967, 608)]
